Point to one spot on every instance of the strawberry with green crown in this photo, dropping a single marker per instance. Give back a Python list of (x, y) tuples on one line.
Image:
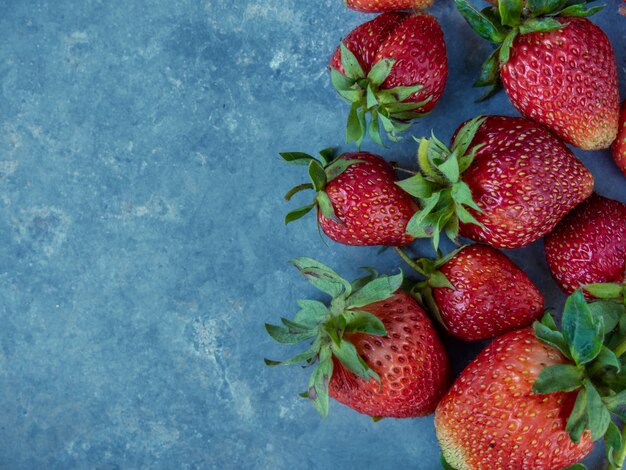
[(373, 347), (356, 198), (537, 398), (557, 67), (504, 181), (393, 68)]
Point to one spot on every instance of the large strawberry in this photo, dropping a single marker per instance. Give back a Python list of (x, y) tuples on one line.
[(560, 71), (379, 6), (476, 292), (535, 400), (619, 146), (376, 350), (505, 181), (393, 67), (589, 245), (357, 200)]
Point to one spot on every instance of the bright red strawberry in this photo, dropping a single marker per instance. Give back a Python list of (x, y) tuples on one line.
[(505, 181), (379, 6), (393, 67), (619, 146), (589, 245), (478, 293), (492, 420), (377, 351), (560, 72), (357, 200)]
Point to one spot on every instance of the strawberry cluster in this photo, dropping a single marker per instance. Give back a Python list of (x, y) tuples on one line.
[(539, 395)]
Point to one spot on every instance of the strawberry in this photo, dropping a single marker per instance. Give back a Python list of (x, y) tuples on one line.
[(589, 244), (357, 199), (505, 181), (376, 350), (476, 292), (559, 71), (537, 398), (393, 67), (379, 6), (619, 146)]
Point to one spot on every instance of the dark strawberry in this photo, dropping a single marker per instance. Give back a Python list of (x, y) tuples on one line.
[(619, 146), (393, 67), (379, 6), (589, 245), (476, 292), (376, 350), (559, 71), (537, 398), (357, 200), (505, 181)]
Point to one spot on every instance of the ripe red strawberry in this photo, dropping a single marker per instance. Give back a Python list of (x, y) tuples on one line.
[(379, 6), (376, 349), (589, 245), (537, 398), (505, 181), (357, 199), (478, 293), (393, 67), (619, 146), (560, 72), (492, 419)]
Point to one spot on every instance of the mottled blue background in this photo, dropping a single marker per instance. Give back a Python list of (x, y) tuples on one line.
[(141, 238)]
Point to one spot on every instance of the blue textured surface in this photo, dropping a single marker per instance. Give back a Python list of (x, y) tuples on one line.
[(141, 238)]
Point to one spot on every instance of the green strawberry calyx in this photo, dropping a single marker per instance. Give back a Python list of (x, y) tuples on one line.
[(502, 24), (429, 269), (388, 108), (443, 196), (322, 171), (325, 326), (593, 338)]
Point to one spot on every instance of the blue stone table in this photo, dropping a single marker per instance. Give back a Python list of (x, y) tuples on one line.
[(141, 237)]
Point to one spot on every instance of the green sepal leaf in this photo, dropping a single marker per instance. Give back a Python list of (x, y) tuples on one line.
[(539, 24), (610, 311), (450, 168), (505, 49), (380, 71), (607, 290), (285, 335), (374, 128), (576, 466), (417, 186), (372, 274), (322, 277), (326, 206), (462, 194), (354, 132), (297, 158), (317, 175), (297, 189), (452, 229), (559, 377), (371, 100), (340, 81), (305, 356), (510, 12), (607, 358), (311, 313), (598, 416), (577, 421), (444, 464), (495, 88), (298, 213), (439, 280), (364, 322), (319, 380), (350, 359), (400, 93), (490, 70), (479, 22), (465, 216), (541, 7), (548, 320), (616, 401), (338, 167), (552, 337), (379, 289), (350, 63), (583, 332), (328, 155), (612, 442), (579, 10), (416, 226)]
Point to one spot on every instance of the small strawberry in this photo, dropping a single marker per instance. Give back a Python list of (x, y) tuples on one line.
[(619, 146), (379, 6), (505, 181), (536, 400), (476, 292), (393, 67), (559, 71), (357, 199), (376, 350), (589, 245)]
